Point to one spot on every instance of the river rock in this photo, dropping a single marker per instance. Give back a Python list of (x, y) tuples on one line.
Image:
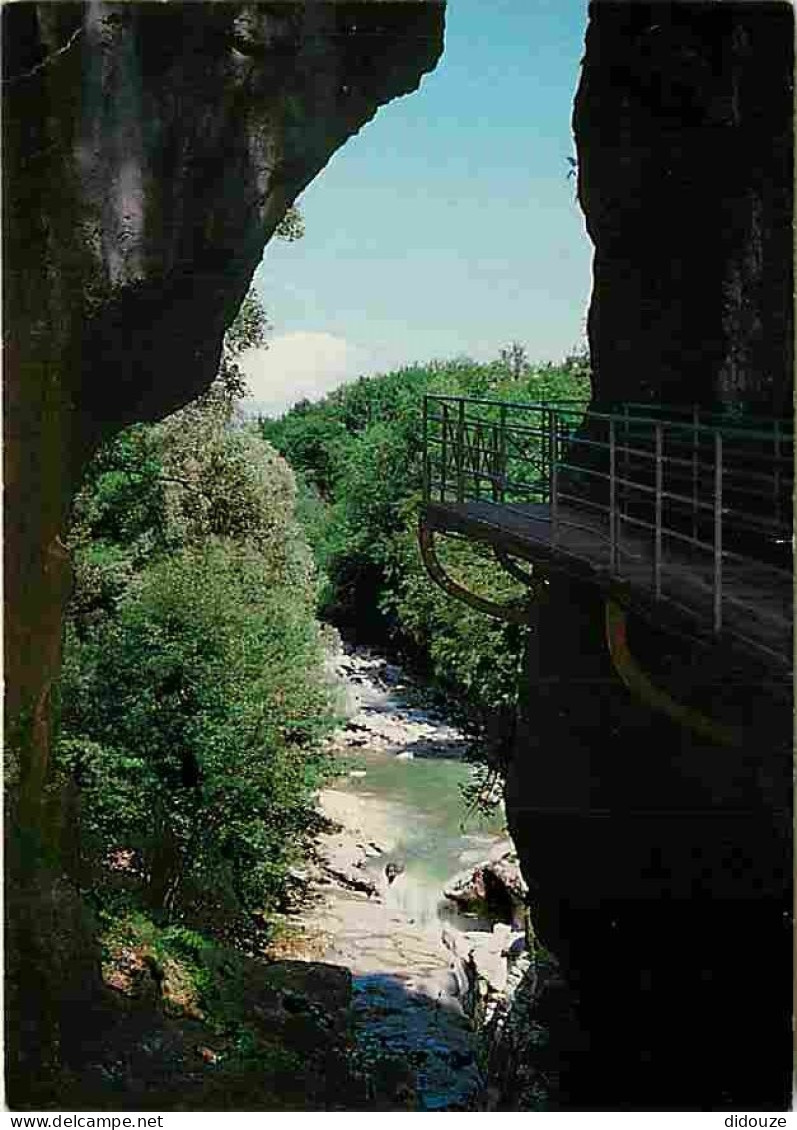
[(467, 888), (486, 961), (376, 700), (344, 848), (495, 884)]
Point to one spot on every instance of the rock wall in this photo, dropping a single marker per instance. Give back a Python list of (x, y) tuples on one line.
[(149, 152), (683, 126), (653, 856), (653, 859)]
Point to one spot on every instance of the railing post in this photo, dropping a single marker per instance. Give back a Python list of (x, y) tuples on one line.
[(502, 448), (492, 465), (554, 475), (624, 493), (776, 477), (612, 496), (717, 531), (444, 452), (459, 452), (659, 485), (545, 455), (695, 462), (471, 459), (427, 469)]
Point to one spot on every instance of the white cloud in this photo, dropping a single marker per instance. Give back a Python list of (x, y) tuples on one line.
[(297, 366)]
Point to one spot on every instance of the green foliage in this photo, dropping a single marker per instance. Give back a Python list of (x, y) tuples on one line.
[(191, 725), (249, 329), (194, 698), (357, 454), (472, 654), (242, 1034), (291, 226)]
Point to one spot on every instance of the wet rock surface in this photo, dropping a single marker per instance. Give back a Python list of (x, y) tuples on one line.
[(428, 1037), (494, 885), (413, 1036), (385, 711)]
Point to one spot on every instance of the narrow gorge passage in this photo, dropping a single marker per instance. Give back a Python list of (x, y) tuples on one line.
[(396, 840)]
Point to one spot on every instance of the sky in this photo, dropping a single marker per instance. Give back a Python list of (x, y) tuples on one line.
[(448, 226)]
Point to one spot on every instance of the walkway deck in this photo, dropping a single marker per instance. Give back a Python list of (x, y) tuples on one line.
[(721, 584), (757, 599)]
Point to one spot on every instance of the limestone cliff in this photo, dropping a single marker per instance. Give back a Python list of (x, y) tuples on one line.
[(149, 152), (683, 125), (652, 854)]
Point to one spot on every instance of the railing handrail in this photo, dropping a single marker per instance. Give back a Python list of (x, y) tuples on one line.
[(677, 482), (498, 403), (726, 412), (784, 425)]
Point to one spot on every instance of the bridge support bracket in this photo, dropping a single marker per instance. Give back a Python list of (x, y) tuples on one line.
[(515, 611), (532, 580), (640, 685)]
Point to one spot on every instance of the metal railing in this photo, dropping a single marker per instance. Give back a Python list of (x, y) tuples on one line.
[(479, 448), (695, 508)]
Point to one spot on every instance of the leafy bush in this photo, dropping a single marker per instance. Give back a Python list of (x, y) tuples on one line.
[(190, 721), (193, 694)]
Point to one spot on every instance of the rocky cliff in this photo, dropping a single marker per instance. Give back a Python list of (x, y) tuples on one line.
[(683, 126), (149, 152), (655, 857)]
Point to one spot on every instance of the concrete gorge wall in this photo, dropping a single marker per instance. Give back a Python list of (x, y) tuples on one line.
[(655, 856), (150, 151)]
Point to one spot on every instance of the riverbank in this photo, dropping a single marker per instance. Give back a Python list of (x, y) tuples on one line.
[(387, 711)]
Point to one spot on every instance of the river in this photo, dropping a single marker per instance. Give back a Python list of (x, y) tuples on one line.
[(398, 832), (433, 836)]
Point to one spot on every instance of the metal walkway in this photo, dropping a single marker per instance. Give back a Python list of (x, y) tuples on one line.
[(682, 515)]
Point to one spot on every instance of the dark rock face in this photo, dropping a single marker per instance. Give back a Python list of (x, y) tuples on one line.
[(683, 124), (150, 150), (647, 850), (651, 853)]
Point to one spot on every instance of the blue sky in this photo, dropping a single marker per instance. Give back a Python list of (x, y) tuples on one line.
[(448, 225)]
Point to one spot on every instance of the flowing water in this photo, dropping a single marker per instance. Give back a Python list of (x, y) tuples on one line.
[(435, 837), (401, 803)]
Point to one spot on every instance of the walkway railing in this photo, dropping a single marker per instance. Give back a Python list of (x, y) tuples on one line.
[(664, 495)]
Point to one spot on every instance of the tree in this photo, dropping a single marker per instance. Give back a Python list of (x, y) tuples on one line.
[(191, 724), (359, 451), (515, 358), (194, 695), (291, 226)]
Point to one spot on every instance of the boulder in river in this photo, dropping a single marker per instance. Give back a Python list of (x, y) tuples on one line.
[(393, 870), (493, 887)]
